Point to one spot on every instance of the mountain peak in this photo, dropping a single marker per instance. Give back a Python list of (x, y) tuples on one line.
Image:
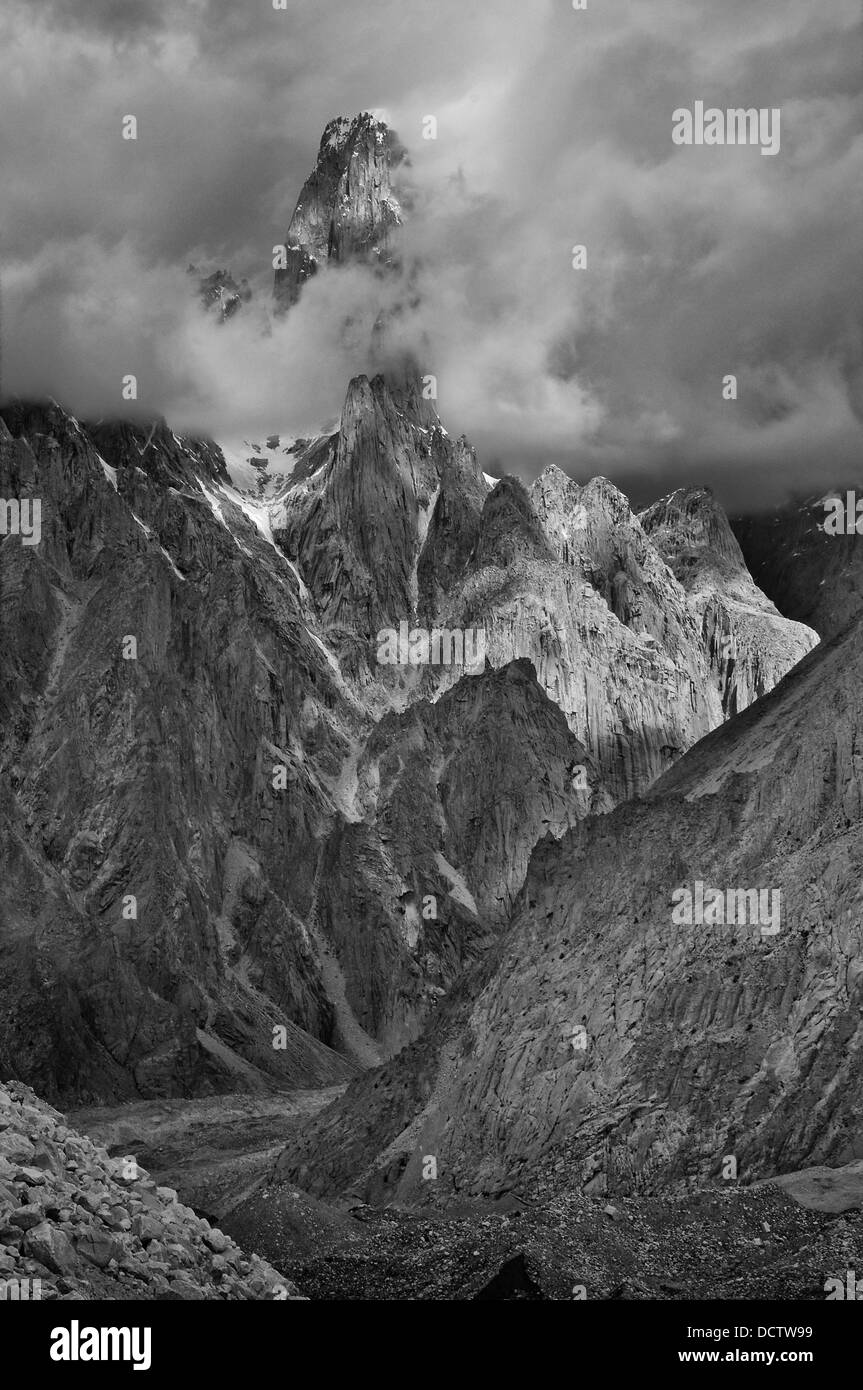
[(690, 522), (343, 131), (348, 205)]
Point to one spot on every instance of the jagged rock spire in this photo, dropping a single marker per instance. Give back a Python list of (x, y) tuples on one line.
[(347, 207)]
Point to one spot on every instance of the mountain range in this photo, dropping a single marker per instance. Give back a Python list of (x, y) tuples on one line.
[(246, 852)]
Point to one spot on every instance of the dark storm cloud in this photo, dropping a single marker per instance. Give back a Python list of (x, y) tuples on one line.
[(701, 262), (117, 20)]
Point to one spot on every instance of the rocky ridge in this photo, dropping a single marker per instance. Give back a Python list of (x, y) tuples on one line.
[(76, 1224)]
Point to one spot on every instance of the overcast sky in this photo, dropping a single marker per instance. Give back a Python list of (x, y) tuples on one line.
[(554, 128)]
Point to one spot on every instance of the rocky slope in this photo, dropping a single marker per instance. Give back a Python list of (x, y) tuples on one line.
[(244, 853), (646, 630), (76, 1224), (352, 514), (348, 208), (744, 1244), (607, 1048)]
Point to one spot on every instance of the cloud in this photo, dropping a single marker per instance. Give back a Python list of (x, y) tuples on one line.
[(287, 375), (553, 130)]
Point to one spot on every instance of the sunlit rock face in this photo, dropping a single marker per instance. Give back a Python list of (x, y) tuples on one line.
[(347, 208), (749, 643)]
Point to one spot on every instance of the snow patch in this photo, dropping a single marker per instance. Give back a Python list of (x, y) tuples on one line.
[(278, 462), (216, 509), (326, 651), (459, 889), (110, 473), (171, 563)]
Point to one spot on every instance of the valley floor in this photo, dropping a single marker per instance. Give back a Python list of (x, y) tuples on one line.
[(218, 1148), (753, 1242)]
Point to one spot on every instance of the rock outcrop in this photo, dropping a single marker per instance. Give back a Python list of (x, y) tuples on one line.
[(76, 1224), (220, 293), (348, 208)]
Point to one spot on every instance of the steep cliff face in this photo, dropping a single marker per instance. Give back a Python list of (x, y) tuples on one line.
[(348, 208), (811, 576), (450, 799), (607, 1044), (156, 668), (750, 644), (352, 524)]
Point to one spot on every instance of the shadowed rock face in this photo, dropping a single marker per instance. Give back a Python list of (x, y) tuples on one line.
[(257, 628), (699, 1042), (647, 630), (348, 207), (811, 576), (151, 778), (353, 525)]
